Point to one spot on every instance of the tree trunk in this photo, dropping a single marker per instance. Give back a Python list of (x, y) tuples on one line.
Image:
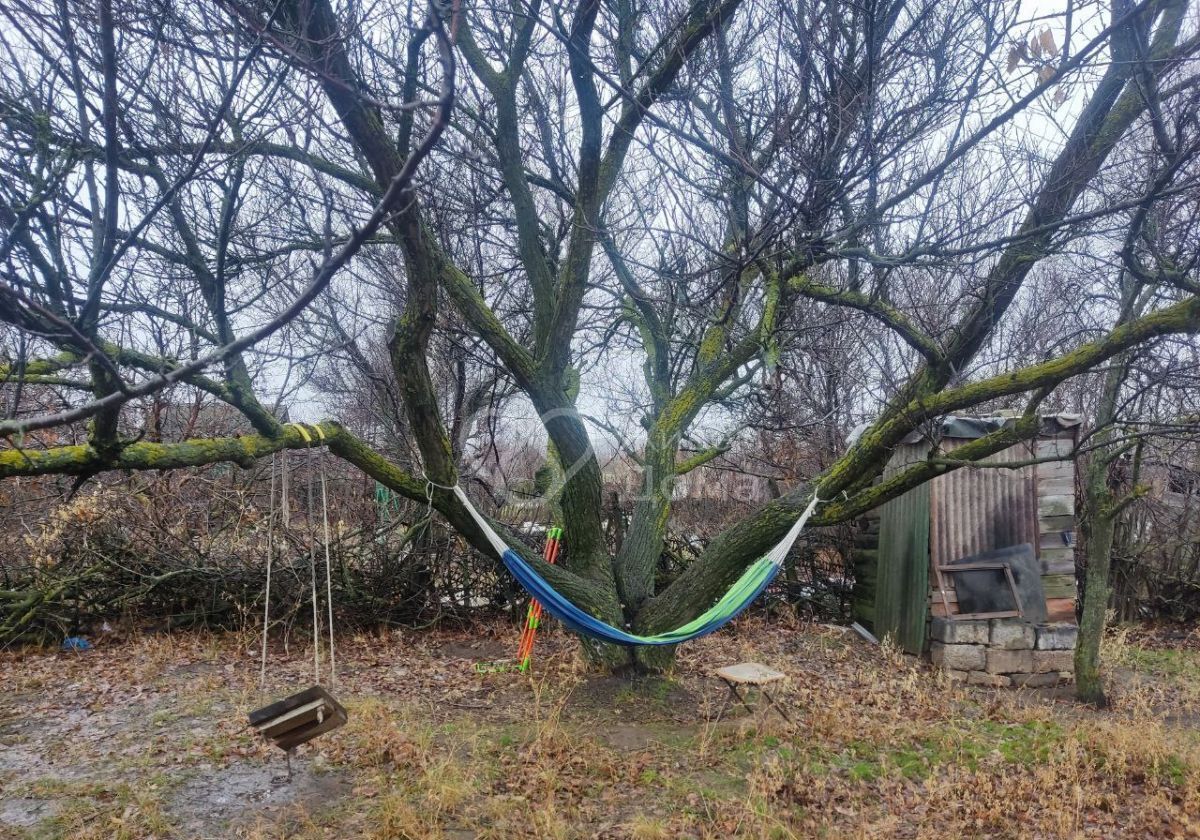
[(1089, 686), (1101, 509)]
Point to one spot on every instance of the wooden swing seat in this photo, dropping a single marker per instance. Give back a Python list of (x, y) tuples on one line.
[(292, 721)]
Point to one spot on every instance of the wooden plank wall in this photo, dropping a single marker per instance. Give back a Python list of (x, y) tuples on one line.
[(866, 567)]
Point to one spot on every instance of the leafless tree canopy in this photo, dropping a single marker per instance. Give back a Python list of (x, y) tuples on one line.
[(677, 228)]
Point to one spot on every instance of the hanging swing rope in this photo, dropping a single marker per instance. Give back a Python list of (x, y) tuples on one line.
[(312, 561), (299, 718), (273, 510), (262, 671), (312, 568), (328, 570)]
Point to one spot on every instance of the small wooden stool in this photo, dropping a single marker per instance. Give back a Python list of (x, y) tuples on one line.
[(754, 675)]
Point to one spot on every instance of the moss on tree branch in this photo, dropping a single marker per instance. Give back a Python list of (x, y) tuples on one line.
[(85, 460)]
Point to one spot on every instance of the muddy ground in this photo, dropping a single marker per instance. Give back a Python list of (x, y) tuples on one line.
[(146, 737)]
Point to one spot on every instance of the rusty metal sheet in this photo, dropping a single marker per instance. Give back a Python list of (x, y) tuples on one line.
[(976, 510), (965, 512)]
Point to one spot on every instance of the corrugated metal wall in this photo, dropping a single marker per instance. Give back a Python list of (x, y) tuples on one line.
[(902, 581), (978, 509), (974, 510)]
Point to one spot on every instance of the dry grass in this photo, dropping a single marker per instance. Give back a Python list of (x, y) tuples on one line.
[(131, 740)]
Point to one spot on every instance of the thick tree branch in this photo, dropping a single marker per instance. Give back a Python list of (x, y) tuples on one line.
[(738, 545), (876, 308)]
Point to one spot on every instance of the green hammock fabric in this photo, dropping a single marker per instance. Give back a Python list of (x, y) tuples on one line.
[(745, 589)]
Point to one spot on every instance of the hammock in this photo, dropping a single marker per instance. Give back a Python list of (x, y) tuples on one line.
[(748, 587)]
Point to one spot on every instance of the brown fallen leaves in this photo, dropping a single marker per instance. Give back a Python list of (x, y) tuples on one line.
[(883, 747)]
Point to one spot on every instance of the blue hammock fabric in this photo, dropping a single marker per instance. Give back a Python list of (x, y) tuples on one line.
[(741, 594), (573, 617)]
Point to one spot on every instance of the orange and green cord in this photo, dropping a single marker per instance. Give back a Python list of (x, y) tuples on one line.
[(534, 616)]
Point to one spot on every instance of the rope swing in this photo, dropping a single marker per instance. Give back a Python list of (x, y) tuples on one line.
[(283, 507), (303, 716)]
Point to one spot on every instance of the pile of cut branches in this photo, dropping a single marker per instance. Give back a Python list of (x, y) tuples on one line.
[(110, 556)]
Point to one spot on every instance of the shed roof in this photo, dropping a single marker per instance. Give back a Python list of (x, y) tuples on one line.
[(969, 428), (961, 427)]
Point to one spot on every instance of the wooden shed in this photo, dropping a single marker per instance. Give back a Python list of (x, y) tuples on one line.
[(965, 512)]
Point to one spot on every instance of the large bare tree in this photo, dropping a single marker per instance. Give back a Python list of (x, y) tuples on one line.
[(672, 194)]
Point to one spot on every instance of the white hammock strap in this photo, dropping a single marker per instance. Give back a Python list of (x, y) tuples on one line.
[(780, 552), (499, 545), (776, 555)]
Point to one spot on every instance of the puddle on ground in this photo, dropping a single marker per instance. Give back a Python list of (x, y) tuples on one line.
[(240, 793), (25, 813), (21, 760)]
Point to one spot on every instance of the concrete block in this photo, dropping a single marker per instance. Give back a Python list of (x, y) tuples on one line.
[(1061, 505), (1009, 661), (1045, 661), (958, 657), (1012, 634), (1057, 566), (1034, 680), (1057, 637), (984, 678), (959, 632)]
